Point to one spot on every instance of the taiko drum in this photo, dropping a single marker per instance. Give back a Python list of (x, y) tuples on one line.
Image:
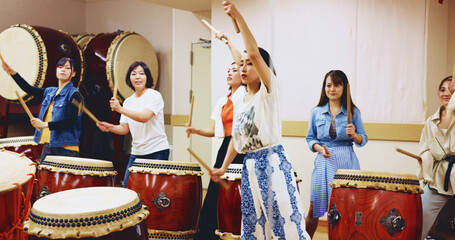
[(374, 205), (59, 173), (95, 213), (173, 193)]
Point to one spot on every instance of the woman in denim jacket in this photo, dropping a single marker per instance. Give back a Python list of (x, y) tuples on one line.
[(59, 122), (328, 126)]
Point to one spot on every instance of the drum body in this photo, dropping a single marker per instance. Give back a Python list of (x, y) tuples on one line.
[(17, 174), (83, 39), (59, 173), (105, 213), (229, 204), (173, 192), (444, 226), (24, 145), (34, 51), (374, 205)]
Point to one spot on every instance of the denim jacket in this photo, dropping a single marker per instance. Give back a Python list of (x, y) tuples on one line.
[(61, 109), (319, 125)]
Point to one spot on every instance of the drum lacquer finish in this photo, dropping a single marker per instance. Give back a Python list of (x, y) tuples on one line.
[(59, 173), (374, 205), (17, 174), (173, 192), (229, 204), (104, 213), (33, 51), (24, 145)]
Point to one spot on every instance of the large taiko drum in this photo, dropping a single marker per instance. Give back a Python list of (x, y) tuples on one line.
[(444, 226), (59, 173), (83, 39), (17, 174), (374, 205), (24, 145), (101, 213), (173, 193), (228, 208), (34, 51), (109, 56)]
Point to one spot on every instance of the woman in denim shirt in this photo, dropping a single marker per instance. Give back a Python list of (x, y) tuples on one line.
[(59, 122), (328, 126)]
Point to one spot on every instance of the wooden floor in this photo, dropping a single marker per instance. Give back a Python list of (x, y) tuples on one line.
[(322, 231)]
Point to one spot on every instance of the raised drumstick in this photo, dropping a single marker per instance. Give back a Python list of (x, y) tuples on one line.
[(85, 110), (27, 110), (191, 113), (1, 57), (409, 155), (348, 102), (214, 30), (222, 183)]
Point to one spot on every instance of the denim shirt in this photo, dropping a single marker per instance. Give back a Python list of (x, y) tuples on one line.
[(319, 125), (61, 110)]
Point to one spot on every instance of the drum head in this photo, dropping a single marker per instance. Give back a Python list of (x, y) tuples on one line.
[(165, 167), (78, 166), (125, 49), (234, 172), (85, 212), (23, 50), (14, 169), (17, 141)]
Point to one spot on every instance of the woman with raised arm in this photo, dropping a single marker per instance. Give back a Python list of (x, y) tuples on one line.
[(437, 155), (142, 115), (59, 122), (222, 114), (271, 205), (329, 127)]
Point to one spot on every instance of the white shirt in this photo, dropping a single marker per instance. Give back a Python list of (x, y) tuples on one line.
[(216, 113), (148, 137), (257, 122)]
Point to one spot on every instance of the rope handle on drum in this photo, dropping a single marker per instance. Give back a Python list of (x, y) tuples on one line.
[(18, 218)]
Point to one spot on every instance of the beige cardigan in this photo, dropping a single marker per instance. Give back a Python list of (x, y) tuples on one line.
[(433, 147)]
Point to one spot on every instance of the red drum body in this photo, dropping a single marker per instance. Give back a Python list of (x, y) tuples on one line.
[(173, 193), (17, 174), (229, 204), (98, 213), (59, 173), (444, 226), (374, 205), (34, 51), (23, 145)]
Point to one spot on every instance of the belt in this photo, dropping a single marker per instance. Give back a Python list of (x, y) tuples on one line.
[(451, 160)]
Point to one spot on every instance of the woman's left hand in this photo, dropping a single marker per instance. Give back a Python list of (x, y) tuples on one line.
[(350, 130), (37, 123), (230, 9)]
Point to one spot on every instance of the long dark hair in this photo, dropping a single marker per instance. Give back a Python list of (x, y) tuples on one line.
[(147, 72), (267, 59), (338, 77)]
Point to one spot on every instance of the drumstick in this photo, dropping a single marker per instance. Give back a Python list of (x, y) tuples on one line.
[(236, 26), (85, 110), (115, 91), (409, 155), (223, 183), (191, 113), (214, 30), (348, 101), (27, 110), (1, 57)]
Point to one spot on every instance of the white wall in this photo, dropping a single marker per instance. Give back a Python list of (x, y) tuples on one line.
[(66, 15)]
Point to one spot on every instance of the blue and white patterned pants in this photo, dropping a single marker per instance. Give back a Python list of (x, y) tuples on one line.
[(271, 204)]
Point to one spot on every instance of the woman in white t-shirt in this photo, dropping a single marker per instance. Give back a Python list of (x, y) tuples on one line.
[(271, 205), (142, 115)]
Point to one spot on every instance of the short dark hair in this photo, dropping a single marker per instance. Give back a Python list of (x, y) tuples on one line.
[(147, 72), (63, 61)]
